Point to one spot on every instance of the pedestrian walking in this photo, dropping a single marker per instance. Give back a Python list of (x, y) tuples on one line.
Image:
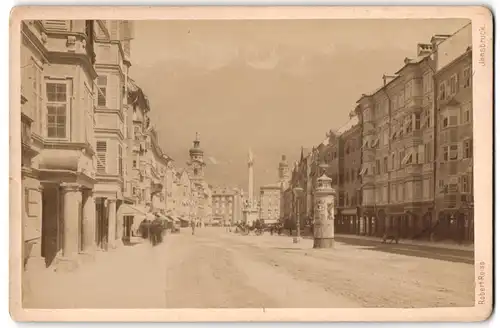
[(193, 225)]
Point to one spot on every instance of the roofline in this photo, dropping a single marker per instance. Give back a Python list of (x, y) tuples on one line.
[(454, 61)]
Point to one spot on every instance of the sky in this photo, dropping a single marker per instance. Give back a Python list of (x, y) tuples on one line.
[(273, 86)]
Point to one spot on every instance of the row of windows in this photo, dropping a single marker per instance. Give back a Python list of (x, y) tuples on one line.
[(55, 95), (450, 87), (456, 184)]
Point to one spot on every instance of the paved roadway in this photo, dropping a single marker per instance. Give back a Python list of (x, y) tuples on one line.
[(218, 269), (444, 254), (215, 268)]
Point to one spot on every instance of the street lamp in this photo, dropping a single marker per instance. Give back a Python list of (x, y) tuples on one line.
[(297, 192)]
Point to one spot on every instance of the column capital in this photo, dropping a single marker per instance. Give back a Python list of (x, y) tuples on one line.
[(69, 187)]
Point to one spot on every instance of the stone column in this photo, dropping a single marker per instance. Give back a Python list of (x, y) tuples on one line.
[(120, 228), (324, 211), (72, 195), (111, 223), (89, 220)]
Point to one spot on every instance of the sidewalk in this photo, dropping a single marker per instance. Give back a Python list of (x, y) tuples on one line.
[(443, 245), (126, 277)]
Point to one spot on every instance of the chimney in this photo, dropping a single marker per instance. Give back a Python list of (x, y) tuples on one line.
[(435, 41), (424, 49)]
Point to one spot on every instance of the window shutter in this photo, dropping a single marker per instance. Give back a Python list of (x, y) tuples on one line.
[(101, 149), (113, 92)]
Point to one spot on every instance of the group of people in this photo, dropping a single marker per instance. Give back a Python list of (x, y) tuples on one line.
[(152, 230)]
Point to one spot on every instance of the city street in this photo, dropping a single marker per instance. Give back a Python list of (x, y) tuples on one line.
[(218, 269)]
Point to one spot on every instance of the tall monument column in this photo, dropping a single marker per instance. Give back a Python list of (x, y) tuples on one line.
[(250, 213), (250, 176)]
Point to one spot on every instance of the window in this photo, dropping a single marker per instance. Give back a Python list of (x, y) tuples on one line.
[(465, 184), (445, 122), (57, 110), (466, 114), (453, 85), (377, 167), (401, 99), (101, 150), (442, 91), (408, 124), (102, 85), (408, 90), (450, 153), (386, 165), (416, 117), (426, 122), (394, 192), (467, 77), (394, 102), (428, 82), (468, 148), (385, 137), (134, 164), (120, 160), (426, 190), (401, 156), (393, 161), (453, 152)]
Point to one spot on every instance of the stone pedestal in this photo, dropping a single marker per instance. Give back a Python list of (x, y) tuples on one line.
[(250, 215), (35, 261), (111, 223), (324, 210), (72, 198)]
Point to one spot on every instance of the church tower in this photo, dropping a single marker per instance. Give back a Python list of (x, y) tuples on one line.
[(283, 173), (196, 164)]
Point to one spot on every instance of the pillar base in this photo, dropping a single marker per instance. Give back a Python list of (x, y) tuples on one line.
[(35, 264), (65, 264), (324, 243)]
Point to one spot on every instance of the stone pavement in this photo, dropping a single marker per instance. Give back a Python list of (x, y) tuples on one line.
[(126, 277)]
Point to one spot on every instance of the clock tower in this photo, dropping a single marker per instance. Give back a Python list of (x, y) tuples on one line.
[(196, 163)]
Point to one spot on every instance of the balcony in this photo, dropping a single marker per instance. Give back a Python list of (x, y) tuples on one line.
[(413, 169)]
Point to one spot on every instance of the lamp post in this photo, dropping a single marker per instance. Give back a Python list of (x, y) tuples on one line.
[(297, 191)]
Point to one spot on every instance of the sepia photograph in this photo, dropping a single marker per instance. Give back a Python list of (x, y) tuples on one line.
[(268, 160)]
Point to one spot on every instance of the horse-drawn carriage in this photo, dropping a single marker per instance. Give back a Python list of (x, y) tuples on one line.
[(258, 227)]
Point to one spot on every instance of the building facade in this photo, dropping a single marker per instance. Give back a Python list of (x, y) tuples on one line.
[(227, 205), (112, 49), (454, 147), (269, 200), (411, 143), (348, 189), (58, 171)]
